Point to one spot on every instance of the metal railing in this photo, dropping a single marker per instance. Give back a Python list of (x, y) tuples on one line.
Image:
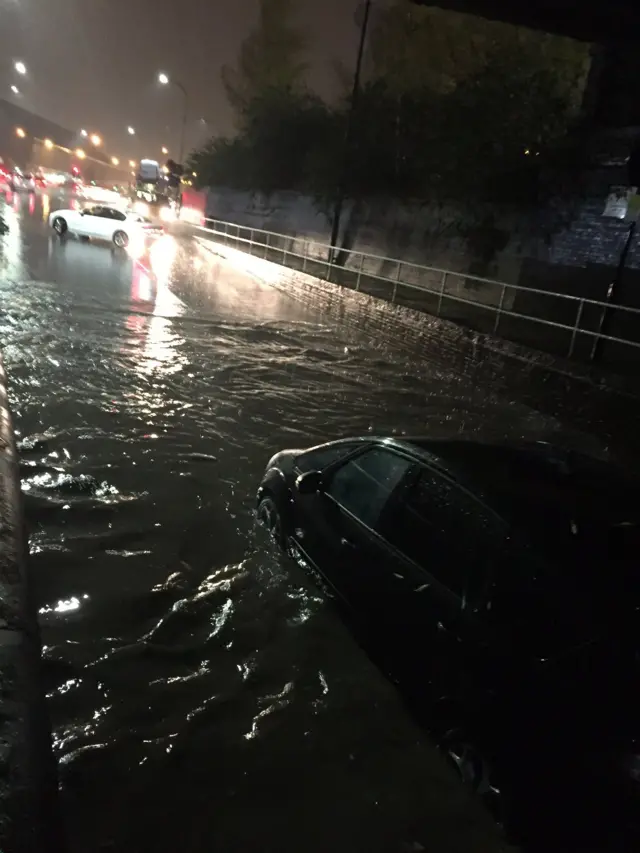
[(558, 323)]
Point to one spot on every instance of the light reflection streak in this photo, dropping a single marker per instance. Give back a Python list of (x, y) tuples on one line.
[(64, 605)]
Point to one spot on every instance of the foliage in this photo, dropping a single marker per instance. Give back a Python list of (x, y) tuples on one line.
[(451, 106), (281, 134), (271, 58)]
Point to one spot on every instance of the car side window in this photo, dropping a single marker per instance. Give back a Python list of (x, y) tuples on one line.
[(322, 457), (90, 211), (110, 213), (363, 485), (447, 531)]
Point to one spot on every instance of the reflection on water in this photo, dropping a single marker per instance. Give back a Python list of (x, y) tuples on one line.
[(203, 695)]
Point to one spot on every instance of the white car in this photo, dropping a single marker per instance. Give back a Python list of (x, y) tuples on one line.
[(105, 223)]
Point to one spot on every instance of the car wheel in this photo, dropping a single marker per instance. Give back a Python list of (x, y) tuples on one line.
[(269, 517), (120, 240), (60, 225)]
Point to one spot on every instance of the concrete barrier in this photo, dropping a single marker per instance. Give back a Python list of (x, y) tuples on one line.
[(30, 819)]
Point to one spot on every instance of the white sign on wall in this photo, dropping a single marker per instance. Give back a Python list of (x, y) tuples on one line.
[(622, 203)]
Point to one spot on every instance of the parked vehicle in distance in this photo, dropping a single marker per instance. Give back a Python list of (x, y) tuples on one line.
[(499, 586), (20, 181), (106, 223)]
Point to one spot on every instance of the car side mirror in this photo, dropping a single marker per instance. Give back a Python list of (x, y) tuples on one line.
[(309, 483)]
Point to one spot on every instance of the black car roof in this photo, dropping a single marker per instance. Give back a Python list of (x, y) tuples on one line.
[(515, 479)]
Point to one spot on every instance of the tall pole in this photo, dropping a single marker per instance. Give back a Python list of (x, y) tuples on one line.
[(612, 295), (346, 158)]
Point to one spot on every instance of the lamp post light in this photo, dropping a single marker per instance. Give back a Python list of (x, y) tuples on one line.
[(164, 80), (84, 133), (96, 139), (15, 90), (131, 131), (20, 67)]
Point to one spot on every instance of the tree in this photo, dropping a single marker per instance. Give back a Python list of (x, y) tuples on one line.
[(271, 58), (281, 133), (462, 101), (415, 48)]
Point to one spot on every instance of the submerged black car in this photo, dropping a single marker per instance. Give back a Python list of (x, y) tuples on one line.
[(498, 586)]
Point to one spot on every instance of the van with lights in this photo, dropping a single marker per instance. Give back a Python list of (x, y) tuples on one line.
[(153, 195)]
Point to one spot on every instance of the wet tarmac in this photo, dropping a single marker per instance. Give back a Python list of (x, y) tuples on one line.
[(203, 692)]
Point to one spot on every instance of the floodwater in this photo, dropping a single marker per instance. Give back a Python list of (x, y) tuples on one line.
[(204, 695)]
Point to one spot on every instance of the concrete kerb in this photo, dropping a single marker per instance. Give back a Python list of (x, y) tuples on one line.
[(30, 820)]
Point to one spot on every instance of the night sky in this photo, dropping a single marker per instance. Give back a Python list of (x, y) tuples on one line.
[(94, 63)]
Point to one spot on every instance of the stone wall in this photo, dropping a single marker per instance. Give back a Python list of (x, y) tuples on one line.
[(503, 244)]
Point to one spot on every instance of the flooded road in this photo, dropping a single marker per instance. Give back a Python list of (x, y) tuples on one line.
[(203, 693)]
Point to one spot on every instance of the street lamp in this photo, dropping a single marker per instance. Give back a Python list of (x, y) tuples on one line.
[(15, 90), (132, 163), (83, 132), (165, 81), (80, 153), (131, 131), (115, 161), (20, 67), (165, 150), (20, 132), (96, 139), (48, 143)]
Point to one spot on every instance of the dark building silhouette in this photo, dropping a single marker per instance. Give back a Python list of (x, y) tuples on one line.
[(16, 150)]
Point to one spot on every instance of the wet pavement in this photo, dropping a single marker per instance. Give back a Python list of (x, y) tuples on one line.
[(203, 692)]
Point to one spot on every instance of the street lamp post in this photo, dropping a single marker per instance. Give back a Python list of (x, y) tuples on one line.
[(342, 180), (165, 81)]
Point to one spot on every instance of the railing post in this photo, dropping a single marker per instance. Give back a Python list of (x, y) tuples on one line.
[(574, 334), (442, 286), (226, 233), (304, 256), (500, 307), (360, 271), (397, 281), (251, 242), (266, 246)]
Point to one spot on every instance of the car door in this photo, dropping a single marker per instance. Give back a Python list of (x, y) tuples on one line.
[(113, 220), (447, 544), (333, 525), (89, 222)]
